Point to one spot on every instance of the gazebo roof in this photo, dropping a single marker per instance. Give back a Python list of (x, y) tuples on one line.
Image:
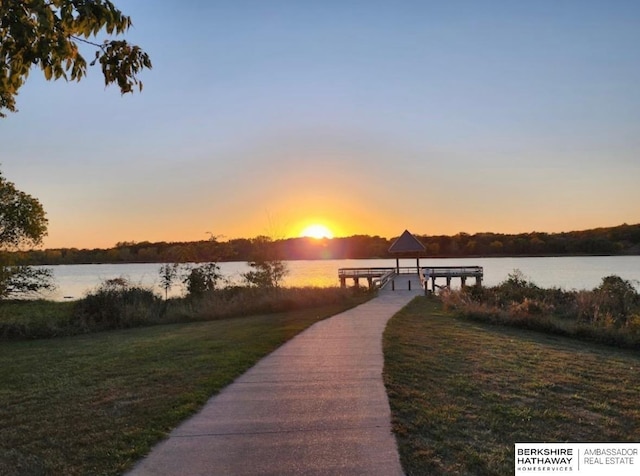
[(407, 243)]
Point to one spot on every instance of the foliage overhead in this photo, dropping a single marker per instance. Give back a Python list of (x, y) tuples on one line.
[(46, 33), (24, 281)]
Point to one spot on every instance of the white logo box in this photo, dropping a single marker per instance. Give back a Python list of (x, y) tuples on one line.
[(584, 459)]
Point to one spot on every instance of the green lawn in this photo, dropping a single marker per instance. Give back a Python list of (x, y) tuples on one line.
[(94, 404), (462, 393)]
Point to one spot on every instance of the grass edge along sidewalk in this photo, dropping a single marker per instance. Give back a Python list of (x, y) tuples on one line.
[(462, 393), (94, 404)]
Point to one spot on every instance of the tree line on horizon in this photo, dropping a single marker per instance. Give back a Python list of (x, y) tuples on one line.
[(619, 240)]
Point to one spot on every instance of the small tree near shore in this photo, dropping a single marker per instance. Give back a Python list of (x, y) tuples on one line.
[(268, 270), (168, 274), (201, 278)]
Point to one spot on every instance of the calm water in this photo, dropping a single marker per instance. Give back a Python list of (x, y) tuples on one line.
[(74, 281)]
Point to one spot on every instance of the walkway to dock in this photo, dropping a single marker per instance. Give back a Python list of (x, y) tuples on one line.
[(400, 283), (315, 406)]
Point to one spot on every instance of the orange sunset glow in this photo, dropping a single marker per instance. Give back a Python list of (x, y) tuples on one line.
[(317, 231), (310, 129)]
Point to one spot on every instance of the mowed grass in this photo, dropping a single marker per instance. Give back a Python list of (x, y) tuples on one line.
[(95, 404), (462, 393)]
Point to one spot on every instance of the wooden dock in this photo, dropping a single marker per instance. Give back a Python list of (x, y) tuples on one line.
[(377, 277), (380, 277), (450, 272)]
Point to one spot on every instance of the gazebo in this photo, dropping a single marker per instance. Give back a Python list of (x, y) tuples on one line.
[(407, 246)]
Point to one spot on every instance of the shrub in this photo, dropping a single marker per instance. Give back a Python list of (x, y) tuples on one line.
[(202, 278), (617, 299), (468, 302), (530, 307), (117, 304), (516, 288), (243, 301), (477, 293), (267, 267), (612, 304), (609, 314)]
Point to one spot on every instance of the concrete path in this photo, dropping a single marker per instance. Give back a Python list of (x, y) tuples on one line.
[(315, 406)]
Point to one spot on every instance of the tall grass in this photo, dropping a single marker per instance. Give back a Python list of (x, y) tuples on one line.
[(241, 301), (609, 313), (117, 304), (25, 319)]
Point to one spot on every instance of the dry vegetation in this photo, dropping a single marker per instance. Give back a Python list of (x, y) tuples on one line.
[(608, 314), (119, 305)]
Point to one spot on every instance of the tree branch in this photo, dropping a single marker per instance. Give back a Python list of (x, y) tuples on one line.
[(97, 45)]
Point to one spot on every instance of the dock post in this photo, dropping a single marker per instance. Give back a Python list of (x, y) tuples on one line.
[(393, 284), (409, 285), (464, 280), (343, 282)]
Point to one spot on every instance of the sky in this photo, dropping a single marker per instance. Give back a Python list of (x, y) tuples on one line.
[(369, 117)]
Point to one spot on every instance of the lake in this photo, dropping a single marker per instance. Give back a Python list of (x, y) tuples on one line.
[(73, 281)]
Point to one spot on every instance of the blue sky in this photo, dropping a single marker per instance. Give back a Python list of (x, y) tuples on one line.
[(261, 117)]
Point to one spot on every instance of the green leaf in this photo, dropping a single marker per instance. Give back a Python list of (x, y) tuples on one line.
[(45, 32)]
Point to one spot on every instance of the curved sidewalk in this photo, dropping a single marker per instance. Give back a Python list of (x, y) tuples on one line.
[(317, 405)]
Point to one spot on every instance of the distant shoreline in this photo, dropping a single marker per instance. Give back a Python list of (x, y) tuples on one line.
[(623, 240), (340, 259)]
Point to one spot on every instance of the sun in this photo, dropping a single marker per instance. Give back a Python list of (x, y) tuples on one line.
[(317, 231)]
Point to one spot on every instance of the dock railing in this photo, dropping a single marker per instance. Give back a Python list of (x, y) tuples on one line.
[(450, 272), (453, 271), (378, 277), (375, 276), (363, 272), (386, 277)]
